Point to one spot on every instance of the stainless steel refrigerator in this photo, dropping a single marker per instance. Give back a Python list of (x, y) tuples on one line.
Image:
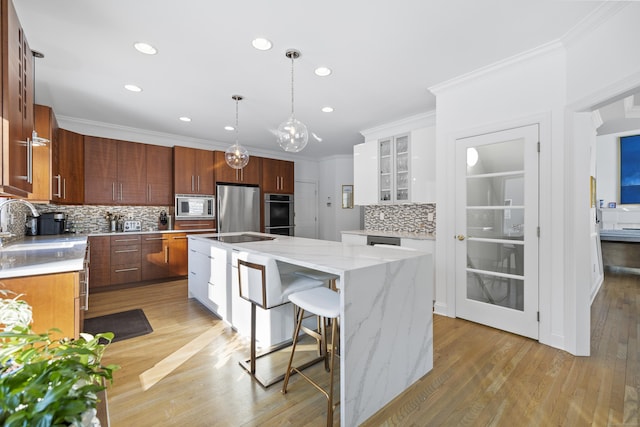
[(238, 208)]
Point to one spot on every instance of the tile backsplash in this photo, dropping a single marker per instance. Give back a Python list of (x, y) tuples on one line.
[(85, 219), (414, 218)]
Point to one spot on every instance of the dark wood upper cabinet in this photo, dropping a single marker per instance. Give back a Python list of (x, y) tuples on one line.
[(250, 174), (193, 171), (277, 176), (101, 171), (17, 105), (67, 164), (159, 175), (131, 187)]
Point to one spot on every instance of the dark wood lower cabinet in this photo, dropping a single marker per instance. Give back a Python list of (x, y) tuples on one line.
[(130, 258)]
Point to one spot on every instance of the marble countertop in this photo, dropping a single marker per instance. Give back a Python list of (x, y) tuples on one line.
[(43, 255), (329, 256), (400, 234)]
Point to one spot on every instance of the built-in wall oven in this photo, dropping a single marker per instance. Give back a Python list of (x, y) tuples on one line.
[(278, 214)]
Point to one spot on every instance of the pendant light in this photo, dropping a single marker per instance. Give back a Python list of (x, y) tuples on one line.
[(292, 134), (36, 140), (236, 155)]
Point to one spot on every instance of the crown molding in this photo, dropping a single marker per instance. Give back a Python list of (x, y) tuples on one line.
[(595, 19), (400, 126)]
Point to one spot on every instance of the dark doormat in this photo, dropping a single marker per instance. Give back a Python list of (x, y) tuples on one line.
[(124, 325)]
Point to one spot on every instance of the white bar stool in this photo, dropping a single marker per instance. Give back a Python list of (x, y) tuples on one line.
[(325, 303), (263, 286)]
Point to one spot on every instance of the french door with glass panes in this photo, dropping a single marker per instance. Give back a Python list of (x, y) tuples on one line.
[(497, 229)]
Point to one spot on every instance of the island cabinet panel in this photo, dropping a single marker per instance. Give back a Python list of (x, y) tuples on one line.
[(54, 300), (159, 167), (99, 261), (125, 259), (250, 174), (17, 105), (67, 165), (193, 171), (277, 176), (46, 126)]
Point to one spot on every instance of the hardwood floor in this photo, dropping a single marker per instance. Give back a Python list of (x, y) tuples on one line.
[(481, 376)]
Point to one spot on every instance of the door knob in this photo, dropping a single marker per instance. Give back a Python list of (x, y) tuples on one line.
[(460, 237)]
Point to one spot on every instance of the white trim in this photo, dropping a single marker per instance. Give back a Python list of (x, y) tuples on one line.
[(404, 125)]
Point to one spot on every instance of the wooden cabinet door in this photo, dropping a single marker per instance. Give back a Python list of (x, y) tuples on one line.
[(46, 127), (277, 176), (68, 183), (178, 258), (159, 180), (154, 256), (101, 171), (99, 262), (183, 170), (193, 171), (250, 174), (204, 166), (131, 185), (17, 104)]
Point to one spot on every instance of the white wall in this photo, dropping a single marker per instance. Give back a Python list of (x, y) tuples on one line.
[(335, 172)]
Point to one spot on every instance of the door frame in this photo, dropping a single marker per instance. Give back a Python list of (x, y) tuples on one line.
[(296, 192)]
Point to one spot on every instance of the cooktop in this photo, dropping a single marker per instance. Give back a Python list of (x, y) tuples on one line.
[(241, 238)]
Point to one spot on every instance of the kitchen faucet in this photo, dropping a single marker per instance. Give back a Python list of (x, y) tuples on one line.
[(4, 203)]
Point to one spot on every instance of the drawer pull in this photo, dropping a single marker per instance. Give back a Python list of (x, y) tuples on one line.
[(156, 238), (126, 240), (125, 250), (122, 270)]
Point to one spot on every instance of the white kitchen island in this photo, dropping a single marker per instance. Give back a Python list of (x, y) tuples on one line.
[(386, 325)]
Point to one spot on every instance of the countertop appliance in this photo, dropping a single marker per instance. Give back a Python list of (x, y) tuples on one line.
[(31, 226), (132, 225), (278, 214), (51, 223), (238, 208), (195, 206)]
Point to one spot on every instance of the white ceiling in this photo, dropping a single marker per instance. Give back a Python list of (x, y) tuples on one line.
[(384, 56)]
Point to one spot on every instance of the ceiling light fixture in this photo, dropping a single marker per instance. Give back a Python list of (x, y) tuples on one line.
[(261, 43), (133, 88), (145, 48), (236, 155), (229, 128), (36, 140), (184, 119), (327, 109), (322, 71), (292, 134)]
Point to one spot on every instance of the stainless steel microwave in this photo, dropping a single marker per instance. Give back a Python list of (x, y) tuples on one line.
[(195, 206)]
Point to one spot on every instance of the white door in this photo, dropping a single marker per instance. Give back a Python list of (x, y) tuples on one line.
[(305, 205), (497, 230)]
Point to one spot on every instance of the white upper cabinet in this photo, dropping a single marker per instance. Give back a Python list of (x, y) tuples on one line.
[(396, 164)]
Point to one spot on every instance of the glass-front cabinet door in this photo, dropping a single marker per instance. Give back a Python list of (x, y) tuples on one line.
[(394, 161)]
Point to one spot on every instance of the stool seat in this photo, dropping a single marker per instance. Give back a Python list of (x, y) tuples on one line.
[(320, 301), (320, 275)]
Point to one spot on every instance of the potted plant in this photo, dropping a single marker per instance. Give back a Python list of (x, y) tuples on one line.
[(47, 382)]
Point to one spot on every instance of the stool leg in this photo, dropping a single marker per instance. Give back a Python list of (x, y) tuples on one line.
[(334, 332), (293, 349), (253, 339)]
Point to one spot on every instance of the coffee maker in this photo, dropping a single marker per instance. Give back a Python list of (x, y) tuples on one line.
[(31, 226), (51, 223)]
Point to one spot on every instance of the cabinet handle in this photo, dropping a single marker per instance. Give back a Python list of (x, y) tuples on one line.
[(192, 183), (113, 191), (64, 188), (148, 192), (192, 225), (198, 183), (126, 240), (166, 255), (155, 238), (122, 270), (59, 178), (120, 191), (29, 161), (180, 238), (121, 251)]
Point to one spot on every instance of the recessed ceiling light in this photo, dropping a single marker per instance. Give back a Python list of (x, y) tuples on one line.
[(145, 48), (229, 128), (185, 119), (327, 109), (261, 43), (133, 88), (322, 71)]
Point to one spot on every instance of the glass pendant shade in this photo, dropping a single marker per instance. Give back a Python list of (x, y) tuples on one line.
[(236, 156), (293, 135)]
